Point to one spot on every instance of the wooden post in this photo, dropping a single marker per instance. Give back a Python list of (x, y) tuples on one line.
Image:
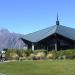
[(33, 46), (47, 47), (55, 46), (74, 45)]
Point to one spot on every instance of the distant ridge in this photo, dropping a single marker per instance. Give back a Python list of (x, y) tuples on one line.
[(10, 40)]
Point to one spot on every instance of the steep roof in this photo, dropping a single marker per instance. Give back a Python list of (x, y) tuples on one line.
[(44, 33), (66, 32)]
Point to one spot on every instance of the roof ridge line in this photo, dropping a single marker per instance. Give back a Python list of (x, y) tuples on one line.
[(38, 30), (49, 30)]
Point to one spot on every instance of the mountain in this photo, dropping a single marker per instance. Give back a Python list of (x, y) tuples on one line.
[(10, 40)]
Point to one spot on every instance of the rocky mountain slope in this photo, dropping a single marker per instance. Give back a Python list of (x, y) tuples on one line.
[(10, 40)]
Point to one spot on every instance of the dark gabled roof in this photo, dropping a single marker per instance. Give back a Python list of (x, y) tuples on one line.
[(39, 35), (42, 34), (66, 32)]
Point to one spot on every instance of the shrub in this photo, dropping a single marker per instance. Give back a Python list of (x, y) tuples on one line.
[(70, 54), (14, 55), (22, 58), (62, 57), (55, 54), (32, 56), (50, 56), (40, 50), (21, 53), (17, 54), (40, 55), (28, 52), (11, 54), (64, 54)]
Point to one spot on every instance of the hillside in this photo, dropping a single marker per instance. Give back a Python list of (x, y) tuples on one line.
[(10, 40)]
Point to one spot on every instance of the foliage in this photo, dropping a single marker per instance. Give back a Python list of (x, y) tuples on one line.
[(70, 54), (40, 55), (28, 52), (63, 54), (50, 56), (17, 53), (11, 54), (40, 50), (21, 53), (32, 56)]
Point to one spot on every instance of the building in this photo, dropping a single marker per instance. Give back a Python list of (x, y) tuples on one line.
[(56, 37)]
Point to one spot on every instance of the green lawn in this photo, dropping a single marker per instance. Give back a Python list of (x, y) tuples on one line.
[(55, 67)]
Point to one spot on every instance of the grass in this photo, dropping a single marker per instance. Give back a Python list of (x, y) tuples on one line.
[(54, 67)]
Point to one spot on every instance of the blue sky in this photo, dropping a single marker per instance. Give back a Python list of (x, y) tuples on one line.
[(26, 16)]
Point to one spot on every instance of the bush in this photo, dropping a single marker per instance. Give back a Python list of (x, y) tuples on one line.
[(28, 52), (70, 54), (22, 58), (17, 53), (55, 54), (40, 50), (40, 55), (50, 56), (62, 57), (64, 54), (21, 53), (32, 56), (11, 54)]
